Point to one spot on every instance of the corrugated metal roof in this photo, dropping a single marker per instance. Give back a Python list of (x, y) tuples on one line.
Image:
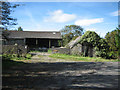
[(34, 34)]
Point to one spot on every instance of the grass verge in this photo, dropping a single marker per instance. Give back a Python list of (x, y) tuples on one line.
[(49, 51), (79, 58)]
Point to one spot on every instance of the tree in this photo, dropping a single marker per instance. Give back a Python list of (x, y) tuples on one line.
[(117, 38), (20, 29), (111, 40), (7, 8), (102, 49), (70, 32)]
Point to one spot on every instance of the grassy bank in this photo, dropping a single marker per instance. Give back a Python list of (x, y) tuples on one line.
[(79, 58)]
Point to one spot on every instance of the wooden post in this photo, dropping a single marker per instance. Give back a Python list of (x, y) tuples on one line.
[(61, 44), (49, 43), (36, 41), (25, 41)]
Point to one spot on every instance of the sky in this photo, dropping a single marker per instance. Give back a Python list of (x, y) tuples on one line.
[(101, 17)]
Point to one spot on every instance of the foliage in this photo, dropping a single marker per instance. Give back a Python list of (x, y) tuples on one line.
[(111, 39), (67, 38), (70, 32), (15, 57), (7, 8), (20, 29), (35, 51), (28, 56), (90, 38), (79, 58), (6, 57), (102, 49), (49, 51), (117, 39), (74, 37), (59, 42)]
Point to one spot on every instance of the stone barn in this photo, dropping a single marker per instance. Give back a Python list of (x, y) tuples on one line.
[(33, 39), (75, 48)]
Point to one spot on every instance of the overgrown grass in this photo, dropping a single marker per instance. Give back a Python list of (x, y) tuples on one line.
[(40, 56), (79, 58), (49, 51), (26, 57), (35, 51)]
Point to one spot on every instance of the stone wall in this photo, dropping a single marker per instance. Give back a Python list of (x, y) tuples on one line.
[(61, 50), (76, 50), (14, 49)]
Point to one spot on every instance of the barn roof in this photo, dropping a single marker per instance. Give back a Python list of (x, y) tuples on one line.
[(34, 34), (72, 43)]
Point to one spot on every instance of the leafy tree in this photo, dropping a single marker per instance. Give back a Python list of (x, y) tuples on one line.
[(7, 8), (70, 32), (20, 29), (117, 38), (111, 40), (102, 49)]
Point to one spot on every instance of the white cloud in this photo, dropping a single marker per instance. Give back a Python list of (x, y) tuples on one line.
[(60, 17), (87, 22), (116, 13), (91, 29)]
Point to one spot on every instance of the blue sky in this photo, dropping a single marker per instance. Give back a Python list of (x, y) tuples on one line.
[(101, 17)]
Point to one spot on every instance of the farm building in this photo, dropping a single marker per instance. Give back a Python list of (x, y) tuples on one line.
[(75, 48), (33, 39)]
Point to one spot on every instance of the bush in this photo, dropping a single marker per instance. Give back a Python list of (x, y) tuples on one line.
[(102, 49), (28, 56), (6, 57), (113, 40), (14, 57), (49, 51)]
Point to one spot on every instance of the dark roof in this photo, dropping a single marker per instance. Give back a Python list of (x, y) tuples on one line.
[(35, 34)]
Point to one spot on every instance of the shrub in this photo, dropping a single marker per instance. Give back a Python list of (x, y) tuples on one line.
[(14, 57), (49, 51), (6, 57), (28, 56), (113, 40), (102, 49)]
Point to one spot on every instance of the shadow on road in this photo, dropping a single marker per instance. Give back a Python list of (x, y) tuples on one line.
[(80, 75)]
